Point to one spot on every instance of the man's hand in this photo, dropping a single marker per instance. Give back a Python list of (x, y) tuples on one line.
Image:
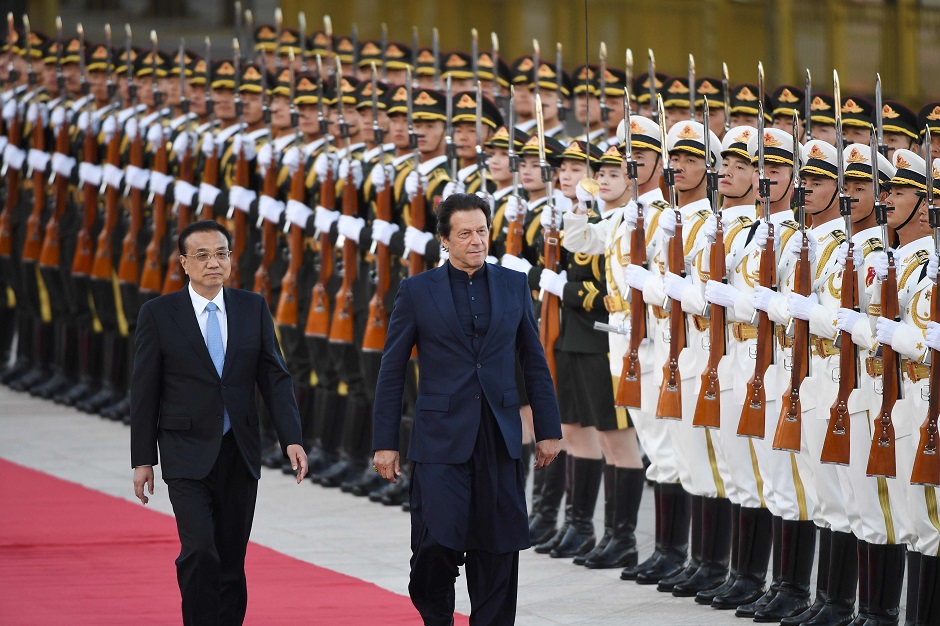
[(388, 464), (298, 460), (143, 476), (545, 452)]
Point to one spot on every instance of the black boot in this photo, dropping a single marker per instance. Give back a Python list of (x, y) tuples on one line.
[(676, 510), (609, 500), (630, 573), (749, 609), (754, 544), (666, 585), (398, 494), (580, 537), (839, 609), (88, 369), (707, 595), (928, 591), (796, 568), (864, 576), (356, 420), (716, 549), (550, 482), (913, 586), (549, 544), (111, 361), (621, 549), (65, 340), (822, 581), (886, 564)]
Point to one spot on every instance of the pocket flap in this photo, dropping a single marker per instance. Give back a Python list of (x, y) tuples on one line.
[(511, 398), (175, 422), (433, 403)]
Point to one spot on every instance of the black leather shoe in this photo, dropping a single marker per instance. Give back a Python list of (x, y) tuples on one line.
[(580, 539), (398, 494), (542, 527), (50, 387), (76, 393), (28, 380)]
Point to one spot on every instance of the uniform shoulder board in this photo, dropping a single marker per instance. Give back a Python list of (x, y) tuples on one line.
[(923, 256), (872, 245), (792, 225), (438, 173), (839, 236), (662, 205)]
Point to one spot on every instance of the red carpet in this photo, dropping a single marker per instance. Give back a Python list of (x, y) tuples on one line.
[(70, 555)]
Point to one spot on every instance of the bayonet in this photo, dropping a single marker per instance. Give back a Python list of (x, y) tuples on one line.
[(631, 163), (302, 25), (239, 30), (11, 35), (155, 93), (760, 85), (808, 108), (82, 71), (30, 73), (628, 88), (605, 112), (543, 163), (59, 77), (497, 96), (383, 47), (451, 148), (436, 52), (559, 94), (323, 123), (239, 105), (294, 118), (879, 120), (354, 38), (328, 30), (536, 62), (481, 155), (184, 101), (109, 76), (692, 88), (511, 150), (414, 53), (250, 34), (278, 26), (378, 134), (474, 54), (343, 126), (210, 104), (412, 135), (726, 90), (651, 75)]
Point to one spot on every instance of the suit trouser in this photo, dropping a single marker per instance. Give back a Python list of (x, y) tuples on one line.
[(213, 517)]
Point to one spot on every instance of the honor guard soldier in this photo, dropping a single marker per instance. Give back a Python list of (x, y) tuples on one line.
[(712, 90), (929, 116), (507, 191), (900, 127), (493, 80), (427, 70), (458, 66), (265, 38), (642, 92), (744, 100), (822, 108), (857, 116), (587, 104), (784, 100), (676, 94), (470, 177), (554, 90), (614, 85), (522, 69)]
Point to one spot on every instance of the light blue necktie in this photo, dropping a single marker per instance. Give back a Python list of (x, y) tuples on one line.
[(216, 352)]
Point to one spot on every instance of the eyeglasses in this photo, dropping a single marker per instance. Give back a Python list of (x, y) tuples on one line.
[(203, 257)]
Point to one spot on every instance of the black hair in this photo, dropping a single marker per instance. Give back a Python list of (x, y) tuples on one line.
[(460, 202), (203, 226)]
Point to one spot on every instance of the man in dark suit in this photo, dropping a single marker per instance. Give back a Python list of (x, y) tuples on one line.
[(469, 320), (200, 354)]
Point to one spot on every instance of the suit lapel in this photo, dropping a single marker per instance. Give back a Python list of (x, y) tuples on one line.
[(231, 322), (443, 298), (186, 320), (497, 294)]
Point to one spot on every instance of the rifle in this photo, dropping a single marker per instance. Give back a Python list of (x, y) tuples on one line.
[(669, 405), (15, 138), (102, 266), (286, 313), (240, 220), (881, 458), (708, 408), (318, 319), (374, 338), (559, 94), (516, 232), (498, 97), (726, 89), (151, 280), (836, 446), (692, 89), (926, 460), (268, 188), (173, 280), (754, 412), (474, 54), (129, 266), (450, 147), (605, 110), (550, 318), (628, 388), (419, 202), (651, 76), (341, 329), (84, 252), (210, 169), (808, 110), (34, 239), (789, 425)]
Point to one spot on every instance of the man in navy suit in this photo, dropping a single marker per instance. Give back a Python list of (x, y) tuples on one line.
[(200, 355), (469, 320)]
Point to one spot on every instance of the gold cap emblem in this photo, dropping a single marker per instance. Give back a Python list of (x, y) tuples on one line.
[(678, 87), (818, 104), (743, 137), (851, 106), (424, 99), (426, 57), (708, 88), (935, 114), (688, 133), (899, 162), (787, 96), (856, 157), (816, 153), (455, 60), (772, 142), (252, 73), (746, 94), (371, 50), (525, 65), (466, 102), (888, 112)]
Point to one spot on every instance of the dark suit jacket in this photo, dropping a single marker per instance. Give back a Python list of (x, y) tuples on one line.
[(177, 396), (453, 381)]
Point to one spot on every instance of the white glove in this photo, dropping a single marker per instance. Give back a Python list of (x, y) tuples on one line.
[(382, 231), (801, 307), (182, 144), (137, 177), (846, 319), (58, 117), (885, 329), (378, 178), (669, 225), (490, 200), (324, 219), (14, 156), (241, 198), (933, 335), (109, 127), (113, 175), (585, 198), (411, 184), (636, 276), (795, 246), (879, 263), (242, 144), (291, 159), (9, 111), (356, 166), (350, 227), (630, 214), (514, 205), (208, 194), (932, 266), (453, 187), (553, 282), (762, 297), (155, 136), (63, 164), (710, 228), (721, 294), (131, 128), (547, 214), (326, 162), (33, 111), (159, 182), (843, 251), (208, 145), (760, 234), (183, 192), (416, 240), (298, 213), (674, 285), (84, 121), (515, 263), (492, 260), (265, 157), (38, 160), (89, 174), (270, 209)]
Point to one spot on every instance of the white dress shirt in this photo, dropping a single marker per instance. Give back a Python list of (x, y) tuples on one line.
[(202, 315)]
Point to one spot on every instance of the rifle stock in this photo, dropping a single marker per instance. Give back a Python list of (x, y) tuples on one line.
[(151, 280), (173, 280), (628, 388), (550, 318), (669, 405), (129, 266), (239, 222), (418, 209), (881, 458), (84, 249), (268, 239), (753, 420), (14, 136), (836, 447), (927, 460), (210, 176), (515, 235), (341, 329), (34, 239), (103, 266), (318, 319), (286, 314), (376, 326), (50, 254), (708, 408)]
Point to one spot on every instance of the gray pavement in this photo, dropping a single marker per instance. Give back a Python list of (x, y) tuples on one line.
[(336, 530)]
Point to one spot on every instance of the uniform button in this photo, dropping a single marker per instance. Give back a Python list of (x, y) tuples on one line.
[(219, 416), (475, 316), (479, 365), (471, 282), (472, 298), (476, 396)]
